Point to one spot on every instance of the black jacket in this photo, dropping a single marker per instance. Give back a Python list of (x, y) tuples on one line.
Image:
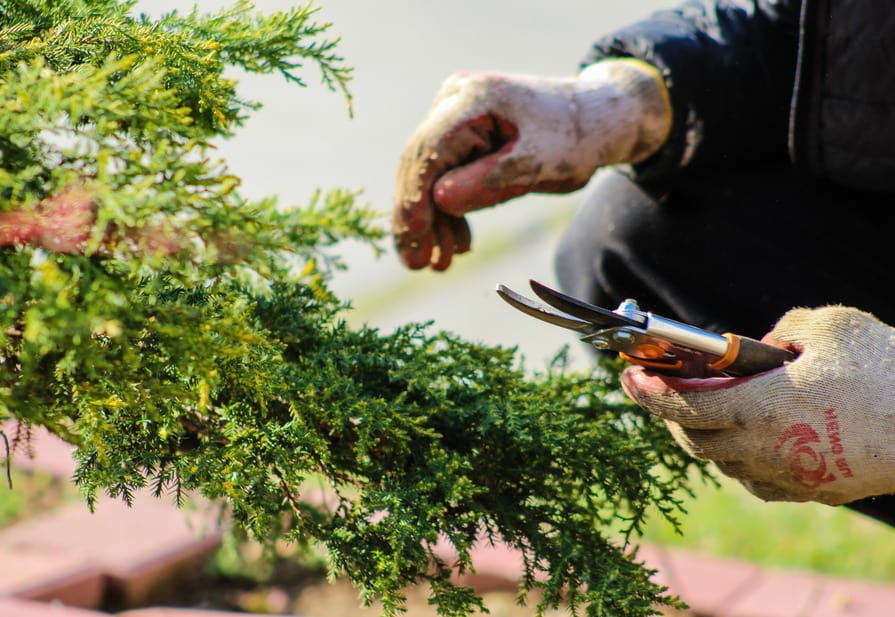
[(809, 83)]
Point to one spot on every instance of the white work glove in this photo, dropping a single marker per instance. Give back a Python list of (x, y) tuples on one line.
[(821, 428), (489, 138)]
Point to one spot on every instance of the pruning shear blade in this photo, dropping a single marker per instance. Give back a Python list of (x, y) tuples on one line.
[(595, 315), (542, 312)]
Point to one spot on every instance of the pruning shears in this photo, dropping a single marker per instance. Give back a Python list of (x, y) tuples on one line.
[(650, 340)]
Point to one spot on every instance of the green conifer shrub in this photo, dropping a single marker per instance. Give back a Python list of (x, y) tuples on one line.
[(187, 341)]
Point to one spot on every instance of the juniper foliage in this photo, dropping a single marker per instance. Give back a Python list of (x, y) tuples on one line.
[(227, 368)]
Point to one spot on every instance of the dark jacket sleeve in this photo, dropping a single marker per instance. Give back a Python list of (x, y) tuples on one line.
[(729, 67)]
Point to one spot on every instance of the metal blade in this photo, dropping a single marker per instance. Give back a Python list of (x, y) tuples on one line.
[(544, 313), (598, 316)]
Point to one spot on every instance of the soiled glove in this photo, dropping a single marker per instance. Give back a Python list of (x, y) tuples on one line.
[(489, 138), (820, 429)]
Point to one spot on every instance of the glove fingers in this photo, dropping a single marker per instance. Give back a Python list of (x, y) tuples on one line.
[(443, 251), (738, 470), (834, 325), (770, 491), (452, 237), (462, 235), (488, 173), (692, 403), (470, 188), (709, 444), (413, 212), (448, 235), (414, 250), (431, 151)]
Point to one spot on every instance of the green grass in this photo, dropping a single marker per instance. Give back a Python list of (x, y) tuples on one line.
[(32, 493), (730, 522), (12, 504)]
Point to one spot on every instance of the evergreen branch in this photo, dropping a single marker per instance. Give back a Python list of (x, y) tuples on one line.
[(8, 460), (187, 339), (280, 38)]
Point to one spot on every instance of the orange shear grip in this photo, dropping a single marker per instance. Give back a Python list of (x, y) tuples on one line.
[(652, 363), (733, 350)]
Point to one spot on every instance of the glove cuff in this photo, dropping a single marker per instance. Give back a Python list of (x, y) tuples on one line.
[(638, 98)]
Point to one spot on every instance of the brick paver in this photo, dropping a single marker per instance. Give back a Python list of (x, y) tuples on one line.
[(16, 607), (781, 594), (707, 584), (38, 573), (135, 548), (181, 612), (497, 567), (850, 598)]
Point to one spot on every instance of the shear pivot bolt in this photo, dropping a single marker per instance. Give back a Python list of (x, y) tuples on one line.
[(623, 337), (600, 343)]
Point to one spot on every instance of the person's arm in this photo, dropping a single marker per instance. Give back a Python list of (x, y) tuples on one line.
[(729, 67), (489, 138)]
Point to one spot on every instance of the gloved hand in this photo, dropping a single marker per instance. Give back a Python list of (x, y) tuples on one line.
[(489, 138), (821, 428)]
